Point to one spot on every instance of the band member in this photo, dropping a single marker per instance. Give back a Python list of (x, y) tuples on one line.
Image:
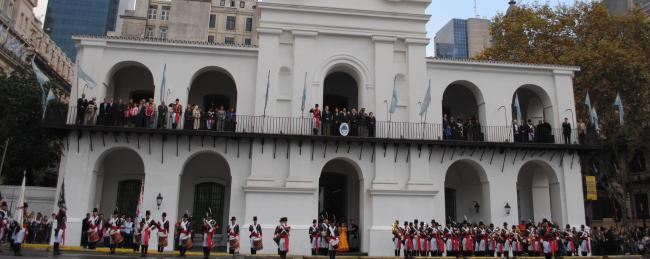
[(415, 250), (209, 228), (93, 229), (583, 234), (323, 237), (233, 237), (407, 239), (397, 238), (316, 119), (149, 225), (255, 236), (185, 236), (314, 237), (114, 225), (332, 240), (281, 237), (468, 242), (59, 231), (569, 238), (163, 233)]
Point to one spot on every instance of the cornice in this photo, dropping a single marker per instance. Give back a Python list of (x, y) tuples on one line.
[(346, 11), (556, 69)]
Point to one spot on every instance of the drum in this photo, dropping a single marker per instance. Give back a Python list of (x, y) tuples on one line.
[(187, 243), (162, 239), (93, 237), (334, 243), (276, 239), (117, 238), (257, 243), (234, 242)]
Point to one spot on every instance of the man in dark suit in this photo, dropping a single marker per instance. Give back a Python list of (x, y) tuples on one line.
[(101, 118), (566, 131), (82, 103)]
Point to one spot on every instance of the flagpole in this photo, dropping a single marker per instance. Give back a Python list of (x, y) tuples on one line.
[(4, 154)]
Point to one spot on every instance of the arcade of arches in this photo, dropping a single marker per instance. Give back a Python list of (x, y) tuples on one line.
[(212, 88), (131, 81), (119, 181)]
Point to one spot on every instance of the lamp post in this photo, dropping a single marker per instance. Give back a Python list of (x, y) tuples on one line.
[(507, 208), (505, 119), (159, 200), (477, 207)]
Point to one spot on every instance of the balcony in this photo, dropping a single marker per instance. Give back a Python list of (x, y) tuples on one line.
[(383, 132)]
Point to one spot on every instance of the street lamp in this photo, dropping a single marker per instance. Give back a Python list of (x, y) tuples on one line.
[(159, 200), (476, 207), (507, 208), (505, 118)]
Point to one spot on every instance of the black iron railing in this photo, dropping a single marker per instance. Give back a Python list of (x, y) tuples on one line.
[(305, 127)]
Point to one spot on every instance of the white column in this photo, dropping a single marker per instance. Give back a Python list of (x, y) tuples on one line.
[(267, 60), (417, 72), (419, 179), (384, 48), (304, 44), (78, 170)]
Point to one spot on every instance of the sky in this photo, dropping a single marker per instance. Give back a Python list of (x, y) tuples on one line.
[(441, 11)]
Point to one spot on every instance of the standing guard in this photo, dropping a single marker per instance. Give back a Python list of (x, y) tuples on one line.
[(145, 235), (93, 229), (332, 240), (255, 236), (585, 247), (281, 237), (323, 237), (114, 225), (185, 235), (163, 233), (59, 231), (233, 237), (314, 237), (209, 228)]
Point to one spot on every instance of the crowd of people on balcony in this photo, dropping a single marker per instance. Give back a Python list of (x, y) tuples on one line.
[(457, 129), (329, 123), (146, 114)]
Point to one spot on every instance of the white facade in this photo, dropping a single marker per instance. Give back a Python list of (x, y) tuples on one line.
[(376, 42)]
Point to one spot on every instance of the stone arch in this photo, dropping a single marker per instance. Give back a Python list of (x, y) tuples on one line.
[(211, 87), (466, 185), (129, 80), (535, 104), (205, 183), (465, 99), (340, 192), (117, 171), (347, 64), (538, 192)]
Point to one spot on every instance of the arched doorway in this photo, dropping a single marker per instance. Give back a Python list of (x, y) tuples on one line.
[(339, 195), (118, 182), (535, 112), (467, 192), (340, 91), (130, 81), (212, 88), (538, 193), (205, 187), (463, 110)]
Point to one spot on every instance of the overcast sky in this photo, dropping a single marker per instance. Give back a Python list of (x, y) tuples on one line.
[(441, 11)]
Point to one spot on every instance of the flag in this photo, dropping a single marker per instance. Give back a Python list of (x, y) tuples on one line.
[(588, 104), (3, 35), (304, 95), (42, 80), (162, 84), (18, 215), (61, 201), (138, 211), (83, 76), (518, 108), (427, 100), (619, 105), (50, 97), (266, 97), (395, 99), (594, 118)]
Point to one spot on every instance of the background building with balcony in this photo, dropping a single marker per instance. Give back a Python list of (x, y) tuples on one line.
[(216, 21), (21, 37), (270, 163)]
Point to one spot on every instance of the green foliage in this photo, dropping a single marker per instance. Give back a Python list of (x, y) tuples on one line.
[(613, 53), (31, 148)]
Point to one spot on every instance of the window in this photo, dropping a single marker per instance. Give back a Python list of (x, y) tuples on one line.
[(230, 23), (207, 196), (232, 3), (242, 4), (210, 38), (249, 24), (164, 14), (223, 3), (247, 42), (153, 10), (213, 21), (149, 32), (128, 192), (230, 40), (163, 33)]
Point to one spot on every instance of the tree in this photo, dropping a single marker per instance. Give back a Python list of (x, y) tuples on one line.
[(613, 53), (31, 148)]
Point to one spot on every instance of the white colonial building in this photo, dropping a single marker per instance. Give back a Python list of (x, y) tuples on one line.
[(351, 53)]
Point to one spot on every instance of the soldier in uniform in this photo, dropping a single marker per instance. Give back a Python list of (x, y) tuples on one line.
[(281, 237), (255, 235), (145, 234), (314, 237), (332, 239), (185, 235), (585, 247), (93, 229), (397, 237), (209, 228), (162, 115), (114, 225), (323, 237), (233, 237), (163, 233), (4, 222)]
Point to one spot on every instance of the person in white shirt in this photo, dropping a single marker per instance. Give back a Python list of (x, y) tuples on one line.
[(17, 235)]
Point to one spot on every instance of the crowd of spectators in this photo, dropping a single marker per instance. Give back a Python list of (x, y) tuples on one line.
[(457, 129)]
